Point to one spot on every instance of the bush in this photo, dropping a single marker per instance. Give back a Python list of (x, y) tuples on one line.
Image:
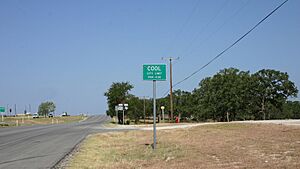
[(4, 125)]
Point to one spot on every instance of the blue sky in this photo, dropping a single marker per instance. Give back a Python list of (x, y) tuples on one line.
[(71, 51)]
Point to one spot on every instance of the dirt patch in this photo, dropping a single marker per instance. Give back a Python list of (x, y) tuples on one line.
[(211, 146)]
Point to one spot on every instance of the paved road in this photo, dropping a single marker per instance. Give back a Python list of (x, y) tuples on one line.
[(44, 145)]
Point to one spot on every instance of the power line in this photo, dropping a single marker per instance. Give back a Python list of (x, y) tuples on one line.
[(230, 46), (188, 52), (203, 28), (184, 24)]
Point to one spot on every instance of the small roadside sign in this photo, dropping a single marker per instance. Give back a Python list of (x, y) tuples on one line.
[(120, 107), (2, 109)]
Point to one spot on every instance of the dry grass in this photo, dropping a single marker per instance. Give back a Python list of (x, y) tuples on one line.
[(25, 121), (211, 146)]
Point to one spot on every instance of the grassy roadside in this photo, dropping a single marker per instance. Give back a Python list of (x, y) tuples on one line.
[(25, 121), (212, 146)]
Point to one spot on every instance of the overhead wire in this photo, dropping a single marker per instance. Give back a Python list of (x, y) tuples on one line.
[(230, 46), (207, 24), (217, 30), (185, 23), (204, 27)]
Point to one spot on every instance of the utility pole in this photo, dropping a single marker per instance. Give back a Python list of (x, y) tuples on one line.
[(171, 85), (144, 98)]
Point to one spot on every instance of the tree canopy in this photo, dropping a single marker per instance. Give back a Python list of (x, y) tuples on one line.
[(241, 96), (46, 107), (116, 94), (230, 94), (272, 88)]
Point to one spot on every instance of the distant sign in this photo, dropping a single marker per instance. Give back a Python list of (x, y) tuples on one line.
[(154, 72), (122, 106), (2, 109)]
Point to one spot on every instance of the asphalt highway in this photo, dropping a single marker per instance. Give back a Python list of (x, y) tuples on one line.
[(43, 146)]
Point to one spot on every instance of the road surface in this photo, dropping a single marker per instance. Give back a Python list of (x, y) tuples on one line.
[(43, 146)]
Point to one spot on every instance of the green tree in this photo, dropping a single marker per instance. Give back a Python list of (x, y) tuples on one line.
[(272, 88), (135, 110), (46, 107), (203, 101), (182, 103), (116, 94), (291, 109), (223, 96), (237, 95)]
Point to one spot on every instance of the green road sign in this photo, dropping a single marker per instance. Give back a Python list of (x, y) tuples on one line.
[(2, 109), (154, 72)]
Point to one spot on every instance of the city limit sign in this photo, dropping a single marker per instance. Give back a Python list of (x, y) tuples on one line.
[(154, 72)]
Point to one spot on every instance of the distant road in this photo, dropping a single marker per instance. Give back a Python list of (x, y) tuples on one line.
[(45, 145)]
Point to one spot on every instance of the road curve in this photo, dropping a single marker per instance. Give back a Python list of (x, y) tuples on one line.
[(43, 146)]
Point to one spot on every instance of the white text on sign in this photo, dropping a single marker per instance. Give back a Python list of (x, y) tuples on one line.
[(153, 68)]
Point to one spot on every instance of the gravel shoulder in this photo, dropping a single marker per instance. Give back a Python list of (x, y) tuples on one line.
[(167, 126)]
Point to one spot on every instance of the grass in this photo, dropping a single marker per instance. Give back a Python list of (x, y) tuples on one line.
[(114, 150), (212, 146), (27, 121)]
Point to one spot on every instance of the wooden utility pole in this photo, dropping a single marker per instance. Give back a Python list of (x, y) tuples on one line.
[(144, 99), (171, 90), (171, 85)]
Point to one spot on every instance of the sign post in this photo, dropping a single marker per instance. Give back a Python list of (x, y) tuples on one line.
[(116, 110), (154, 72), (154, 114), (123, 107)]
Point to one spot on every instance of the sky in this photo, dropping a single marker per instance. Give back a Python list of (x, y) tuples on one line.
[(71, 51)]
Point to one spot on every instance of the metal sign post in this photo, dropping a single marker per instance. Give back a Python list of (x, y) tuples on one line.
[(123, 116), (116, 110), (154, 114), (123, 107), (154, 72)]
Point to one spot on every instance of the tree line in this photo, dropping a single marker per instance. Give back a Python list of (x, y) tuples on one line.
[(230, 94)]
